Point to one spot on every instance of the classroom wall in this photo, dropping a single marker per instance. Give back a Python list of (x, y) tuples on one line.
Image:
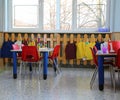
[(1, 28), (116, 17), (1, 15)]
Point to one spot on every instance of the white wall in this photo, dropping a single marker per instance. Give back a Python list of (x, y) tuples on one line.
[(116, 16), (1, 15)]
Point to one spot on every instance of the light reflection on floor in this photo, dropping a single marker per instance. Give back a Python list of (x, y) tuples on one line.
[(71, 84)]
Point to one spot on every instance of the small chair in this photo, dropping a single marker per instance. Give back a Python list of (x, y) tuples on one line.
[(95, 49), (54, 58), (115, 69), (107, 60), (96, 66), (30, 55)]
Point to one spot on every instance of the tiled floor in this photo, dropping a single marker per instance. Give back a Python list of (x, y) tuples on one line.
[(71, 84)]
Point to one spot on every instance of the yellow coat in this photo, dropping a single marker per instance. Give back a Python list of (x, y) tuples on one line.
[(79, 50), (87, 51), (31, 43)]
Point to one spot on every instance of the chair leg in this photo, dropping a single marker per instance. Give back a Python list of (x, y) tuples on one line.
[(59, 69), (55, 65), (56, 68), (93, 77), (118, 74), (111, 74), (34, 66), (114, 81), (40, 68), (24, 65), (21, 64)]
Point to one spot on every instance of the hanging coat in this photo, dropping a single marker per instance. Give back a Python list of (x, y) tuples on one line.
[(70, 51)]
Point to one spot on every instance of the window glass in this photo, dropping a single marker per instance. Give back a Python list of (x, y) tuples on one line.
[(25, 13), (49, 18), (60, 15), (66, 14), (91, 13)]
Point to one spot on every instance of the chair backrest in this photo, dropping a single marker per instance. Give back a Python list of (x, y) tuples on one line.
[(56, 51), (30, 54), (95, 49), (118, 59), (94, 57), (115, 45)]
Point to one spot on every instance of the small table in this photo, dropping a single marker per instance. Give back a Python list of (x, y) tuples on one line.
[(101, 57), (45, 52)]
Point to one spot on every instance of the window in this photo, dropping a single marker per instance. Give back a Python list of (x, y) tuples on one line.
[(58, 15), (65, 14), (49, 15), (91, 13), (25, 13)]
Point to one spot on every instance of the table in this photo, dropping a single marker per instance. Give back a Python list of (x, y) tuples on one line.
[(45, 52), (101, 57)]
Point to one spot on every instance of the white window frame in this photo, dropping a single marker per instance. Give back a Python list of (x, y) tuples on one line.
[(8, 20)]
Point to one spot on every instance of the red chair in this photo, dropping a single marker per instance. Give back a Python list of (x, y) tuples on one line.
[(30, 55), (54, 58), (95, 49), (115, 69), (96, 66), (115, 45)]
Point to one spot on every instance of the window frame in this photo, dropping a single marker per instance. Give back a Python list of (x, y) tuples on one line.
[(8, 20)]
